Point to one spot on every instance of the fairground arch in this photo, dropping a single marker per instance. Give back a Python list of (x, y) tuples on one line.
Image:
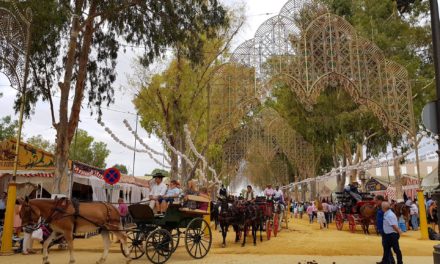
[(311, 49)]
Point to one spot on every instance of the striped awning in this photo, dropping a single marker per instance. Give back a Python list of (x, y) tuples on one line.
[(41, 175), (29, 174)]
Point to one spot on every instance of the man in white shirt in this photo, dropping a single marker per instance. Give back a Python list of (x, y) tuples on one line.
[(414, 212), (269, 191), (157, 191), (278, 195)]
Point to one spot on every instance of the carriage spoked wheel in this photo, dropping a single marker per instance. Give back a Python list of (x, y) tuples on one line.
[(198, 238), (159, 246), (135, 244), (276, 224), (175, 233), (339, 221), (351, 223), (268, 229)]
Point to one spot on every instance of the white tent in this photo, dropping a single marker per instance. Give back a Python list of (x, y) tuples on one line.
[(430, 182)]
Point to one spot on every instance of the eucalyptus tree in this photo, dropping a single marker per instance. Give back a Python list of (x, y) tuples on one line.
[(76, 45)]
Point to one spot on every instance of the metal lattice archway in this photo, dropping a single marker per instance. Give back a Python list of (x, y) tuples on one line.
[(310, 49), (13, 45), (268, 144)]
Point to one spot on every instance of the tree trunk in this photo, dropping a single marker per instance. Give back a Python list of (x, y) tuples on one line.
[(183, 161), (313, 191), (62, 142), (60, 185), (174, 174), (397, 175), (340, 179)]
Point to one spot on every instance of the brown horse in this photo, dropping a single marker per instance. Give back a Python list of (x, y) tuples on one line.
[(368, 214), (67, 218), (400, 209)]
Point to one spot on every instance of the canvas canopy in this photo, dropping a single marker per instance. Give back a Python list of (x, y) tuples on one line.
[(430, 182)]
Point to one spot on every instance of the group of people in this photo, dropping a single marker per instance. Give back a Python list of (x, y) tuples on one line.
[(270, 193), (161, 195), (324, 212)]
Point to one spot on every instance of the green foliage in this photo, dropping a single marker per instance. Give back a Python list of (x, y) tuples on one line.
[(121, 167), (178, 96), (337, 126), (86, 150), (8, 128), (41, 143), (164, 172), (406, 40), (154, 25)]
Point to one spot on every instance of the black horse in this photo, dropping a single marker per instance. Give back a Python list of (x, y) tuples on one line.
[(252, 218), (228, 215)]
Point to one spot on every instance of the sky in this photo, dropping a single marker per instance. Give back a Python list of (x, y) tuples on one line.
[(257, 11)]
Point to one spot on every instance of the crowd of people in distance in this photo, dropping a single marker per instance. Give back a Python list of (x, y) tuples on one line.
[(324, 212)]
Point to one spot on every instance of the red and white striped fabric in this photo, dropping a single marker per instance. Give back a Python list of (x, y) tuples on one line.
[(411, 187), (41, 175), (391, 193)]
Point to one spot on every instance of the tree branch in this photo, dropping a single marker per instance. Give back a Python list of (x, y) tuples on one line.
[(82, 74)]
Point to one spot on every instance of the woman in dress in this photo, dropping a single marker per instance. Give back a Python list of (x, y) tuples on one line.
[(17, 218), (432, 215)]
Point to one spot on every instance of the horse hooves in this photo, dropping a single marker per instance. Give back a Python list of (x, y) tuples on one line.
[(100, 261), (127, 261), (72, 262), (242, 245), (255, 244), (223, 245)]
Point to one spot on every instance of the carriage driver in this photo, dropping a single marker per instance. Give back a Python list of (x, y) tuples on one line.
[(157, 191), (352, 189), (278, 195), (269, 191), (249, 195)]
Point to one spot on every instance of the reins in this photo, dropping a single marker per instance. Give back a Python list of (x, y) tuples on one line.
[(58, 209)]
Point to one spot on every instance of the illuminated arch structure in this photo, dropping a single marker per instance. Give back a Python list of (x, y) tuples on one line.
[(13, 44), (269, 145), (310, 49)]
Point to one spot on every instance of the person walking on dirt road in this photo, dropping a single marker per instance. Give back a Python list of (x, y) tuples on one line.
[(392, 234)]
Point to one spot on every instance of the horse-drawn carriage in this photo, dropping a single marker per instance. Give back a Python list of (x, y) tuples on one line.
[(158, 236), (272, 215), (353, 211)]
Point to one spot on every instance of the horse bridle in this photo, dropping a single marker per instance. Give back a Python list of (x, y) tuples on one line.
[(32, 226)]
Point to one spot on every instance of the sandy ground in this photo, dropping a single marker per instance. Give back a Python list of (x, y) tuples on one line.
[(301, 243)]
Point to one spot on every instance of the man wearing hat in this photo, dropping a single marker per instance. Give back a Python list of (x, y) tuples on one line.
[(157, 191)]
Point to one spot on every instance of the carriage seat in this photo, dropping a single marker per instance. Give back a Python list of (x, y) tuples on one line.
[(199, 199), (195, 211)]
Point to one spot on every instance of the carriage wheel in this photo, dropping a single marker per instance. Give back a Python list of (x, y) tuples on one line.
[(135, 244), (351, 223), (268, 229), (198, 238), (339, 221), (159, 246), (276, 224), (175, 233)]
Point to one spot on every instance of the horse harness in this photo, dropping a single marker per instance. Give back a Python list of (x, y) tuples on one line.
[(61, 206)]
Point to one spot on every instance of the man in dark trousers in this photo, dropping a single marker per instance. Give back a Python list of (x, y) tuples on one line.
[(379, 199), (392, 234)]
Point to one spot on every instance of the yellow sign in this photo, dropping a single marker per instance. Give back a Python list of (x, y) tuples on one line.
[(30, 158)]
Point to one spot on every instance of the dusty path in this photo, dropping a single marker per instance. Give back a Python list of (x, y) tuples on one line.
[(179, 257), (302, 242)]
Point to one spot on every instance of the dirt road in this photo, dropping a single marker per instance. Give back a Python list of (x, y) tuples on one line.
[(301, 243)]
